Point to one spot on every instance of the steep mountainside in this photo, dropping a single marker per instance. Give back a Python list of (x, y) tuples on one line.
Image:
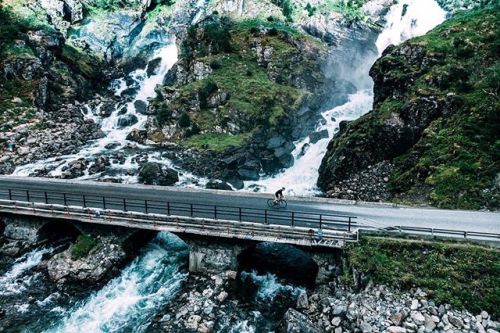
[(433, 134), (240, 93)]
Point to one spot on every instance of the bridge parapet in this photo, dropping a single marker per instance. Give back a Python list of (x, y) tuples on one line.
[(304, 234)]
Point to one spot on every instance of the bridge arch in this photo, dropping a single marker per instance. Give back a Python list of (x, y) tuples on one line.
[(2, 226), (284, 260), (57, 230), (136, 240)]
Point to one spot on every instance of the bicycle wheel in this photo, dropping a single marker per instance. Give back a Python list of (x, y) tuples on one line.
[(283, 203), (270, 203)]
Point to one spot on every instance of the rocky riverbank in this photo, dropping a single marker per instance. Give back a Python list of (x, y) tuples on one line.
[(213, 303)]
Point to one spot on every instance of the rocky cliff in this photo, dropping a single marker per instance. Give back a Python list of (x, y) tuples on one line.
[(240, 93), (432, 136)]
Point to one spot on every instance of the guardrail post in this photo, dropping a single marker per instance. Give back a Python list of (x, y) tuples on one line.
[(27, 195), (265, 216), (465, 234), (293, 219), (191, 209), (215, 212), (124, 204), (168, 208), (146, 206), (10, 194), (103, 202), (46, 198), (349, 225), (320, 220), (65, 201), (84, 201), (239, 213)]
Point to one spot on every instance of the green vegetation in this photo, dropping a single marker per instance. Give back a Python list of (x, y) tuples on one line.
[(458, 155), (461, 274), (84, 243), (350, 9), (81, 61), (215, 141), (286, 8), (239, 94)]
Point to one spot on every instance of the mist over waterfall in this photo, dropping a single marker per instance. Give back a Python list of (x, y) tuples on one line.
[(406, 19)]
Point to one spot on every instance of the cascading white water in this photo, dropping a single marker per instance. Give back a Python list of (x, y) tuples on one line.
[(10, 282), (128, 302), (115, 135), (406, 19), (269, 286)]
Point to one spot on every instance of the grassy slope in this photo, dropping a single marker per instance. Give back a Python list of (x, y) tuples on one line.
[(455, 162), (463, 275), (461, 152)]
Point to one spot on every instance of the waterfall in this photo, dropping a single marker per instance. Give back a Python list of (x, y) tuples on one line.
[(115, 135), (128, 302), (406, 19)]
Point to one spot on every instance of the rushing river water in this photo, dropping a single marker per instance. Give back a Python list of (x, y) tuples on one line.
[(128, 302)]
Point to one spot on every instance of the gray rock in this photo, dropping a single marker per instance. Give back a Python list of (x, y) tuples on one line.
[(296, 322), (153, 67), (218, 185), (302, 301), (141, 107), (127, 120), (456, 321), (316, 136), (430, 325)]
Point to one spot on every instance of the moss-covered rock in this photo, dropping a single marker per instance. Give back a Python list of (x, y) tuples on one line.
[(435, 118), (238, 84)]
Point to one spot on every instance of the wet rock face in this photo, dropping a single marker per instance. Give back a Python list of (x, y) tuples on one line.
[(286, 261), (155, 174)]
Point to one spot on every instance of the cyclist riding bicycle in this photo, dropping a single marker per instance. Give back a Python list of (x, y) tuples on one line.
[(278, 196)]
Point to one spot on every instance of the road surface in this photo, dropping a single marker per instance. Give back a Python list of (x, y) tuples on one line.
[(368, 215)]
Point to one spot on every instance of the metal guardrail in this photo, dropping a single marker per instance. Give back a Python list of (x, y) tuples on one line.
[(170, 208), (444, 232)]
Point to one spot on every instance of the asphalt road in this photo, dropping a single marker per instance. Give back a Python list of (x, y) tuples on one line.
[(371, 215)]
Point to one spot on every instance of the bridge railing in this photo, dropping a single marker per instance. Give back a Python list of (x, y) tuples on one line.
[(184, 209), (445, 232)]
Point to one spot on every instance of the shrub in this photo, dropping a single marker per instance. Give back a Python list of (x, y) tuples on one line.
[(84, 243), (184, 120)]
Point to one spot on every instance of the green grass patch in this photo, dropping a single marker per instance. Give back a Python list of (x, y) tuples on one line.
[(215, 141), (84, 243), (464, 275), (86, 64)]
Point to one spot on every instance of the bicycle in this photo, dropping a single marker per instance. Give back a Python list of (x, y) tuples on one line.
[(280, 203)]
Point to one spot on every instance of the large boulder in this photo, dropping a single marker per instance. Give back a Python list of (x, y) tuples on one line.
[(91, 268), (127, 120), (295, 322), (154, 174)]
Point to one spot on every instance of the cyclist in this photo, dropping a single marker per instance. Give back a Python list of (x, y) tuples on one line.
[(278, 196)]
